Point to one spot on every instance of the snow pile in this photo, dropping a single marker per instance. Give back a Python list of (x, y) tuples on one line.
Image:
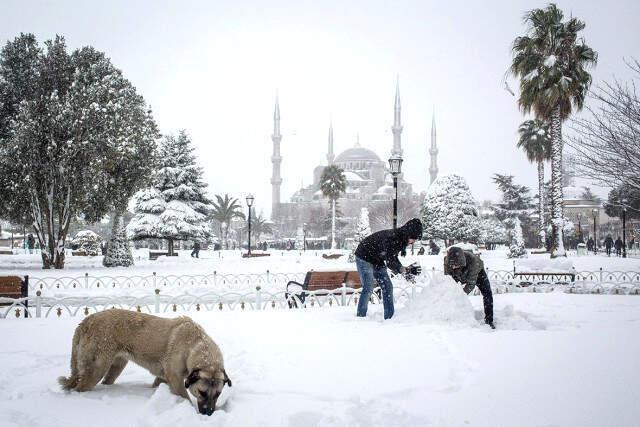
[(442, 301)]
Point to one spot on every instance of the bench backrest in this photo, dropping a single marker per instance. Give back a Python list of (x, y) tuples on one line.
[(330, 280), (11, 287)]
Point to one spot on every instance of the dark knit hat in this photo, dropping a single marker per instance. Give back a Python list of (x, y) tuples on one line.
[(412, 229)]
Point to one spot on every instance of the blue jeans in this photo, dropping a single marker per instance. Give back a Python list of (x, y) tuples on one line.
[(368, 275)]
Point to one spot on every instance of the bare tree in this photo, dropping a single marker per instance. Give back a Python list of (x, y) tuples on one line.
[(608, 141)]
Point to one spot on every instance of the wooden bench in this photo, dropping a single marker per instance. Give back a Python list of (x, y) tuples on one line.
[(529, 277), (255, 255), (79, 253), (6, 252), (322, 283), (153, 255), (14, 287), (331, 256)]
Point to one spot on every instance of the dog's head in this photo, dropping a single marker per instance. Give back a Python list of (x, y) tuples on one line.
[(206, 385)]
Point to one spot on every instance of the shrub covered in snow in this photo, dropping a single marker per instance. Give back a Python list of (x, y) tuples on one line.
[(87, 241)]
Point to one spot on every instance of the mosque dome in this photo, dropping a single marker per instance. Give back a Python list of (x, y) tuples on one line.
[(357, 154)]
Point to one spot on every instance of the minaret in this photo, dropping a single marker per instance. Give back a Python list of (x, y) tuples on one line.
[(433, 151), (397, 123), (276, 158), (330, 155)]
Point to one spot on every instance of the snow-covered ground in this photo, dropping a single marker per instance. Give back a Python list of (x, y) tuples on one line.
[(555, 359), (231, 262)]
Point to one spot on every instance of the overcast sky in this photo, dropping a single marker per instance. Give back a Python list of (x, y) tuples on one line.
[(213, 68)]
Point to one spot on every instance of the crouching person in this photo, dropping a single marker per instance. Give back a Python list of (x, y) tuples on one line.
[(379, 251), (468, 269)]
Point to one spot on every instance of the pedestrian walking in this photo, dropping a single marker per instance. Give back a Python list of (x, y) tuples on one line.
[(608, 244), (196, 250)]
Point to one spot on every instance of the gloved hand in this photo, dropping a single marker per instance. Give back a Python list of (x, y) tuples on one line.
[(468, 288), (414, 269)]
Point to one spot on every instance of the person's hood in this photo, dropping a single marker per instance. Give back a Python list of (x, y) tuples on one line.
[(412, 229), (456, 257)]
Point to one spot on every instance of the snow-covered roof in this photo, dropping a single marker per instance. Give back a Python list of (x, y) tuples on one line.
[(357, 154), (352, 176)]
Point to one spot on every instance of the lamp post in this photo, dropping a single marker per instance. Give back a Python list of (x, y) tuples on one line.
[(249, 199), (304, 237), (580, 228), (595, 239), (395, 165), (624, 228)]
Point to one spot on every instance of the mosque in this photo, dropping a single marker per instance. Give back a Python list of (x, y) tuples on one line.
[(369, 181)]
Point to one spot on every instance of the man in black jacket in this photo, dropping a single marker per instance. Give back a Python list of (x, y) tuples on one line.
[(468, 269), (379, 249)]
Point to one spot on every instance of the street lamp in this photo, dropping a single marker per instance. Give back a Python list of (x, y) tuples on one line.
[(595, 240), (249, 204), (624, 228), (304, 237), (395, 165), (580, 227)]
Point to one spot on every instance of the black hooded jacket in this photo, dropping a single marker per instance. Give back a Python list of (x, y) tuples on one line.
[(383, 246)]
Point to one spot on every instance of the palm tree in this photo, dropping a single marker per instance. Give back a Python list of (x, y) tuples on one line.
[(225, 209), (260, 225), (535, 141), (332, 184), (551, 63)]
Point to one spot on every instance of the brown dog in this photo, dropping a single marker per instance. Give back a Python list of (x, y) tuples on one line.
[(177, 351)]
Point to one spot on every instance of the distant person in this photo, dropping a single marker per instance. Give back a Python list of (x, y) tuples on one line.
[(379, 251), (468, 269), (590, 244), (421, 250), (31, 243), (608, 244), (264, 246), (618, 246), (433, 248), (196, 250)]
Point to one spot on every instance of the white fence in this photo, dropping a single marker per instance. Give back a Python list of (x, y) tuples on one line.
[(265, 291)]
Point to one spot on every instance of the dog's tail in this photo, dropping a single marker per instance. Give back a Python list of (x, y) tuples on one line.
[(69, 383)]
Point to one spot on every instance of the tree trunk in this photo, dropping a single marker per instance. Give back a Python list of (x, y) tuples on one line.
[(541, 225), (333, 223), (170, 247), (557, 248)]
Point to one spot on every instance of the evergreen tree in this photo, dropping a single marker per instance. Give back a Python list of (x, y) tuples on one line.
[(118, 249), (492, 230), (551, 61), (514, 208), (449, 211), (76, 140), (332, 184), (362, 226), (176, 206)]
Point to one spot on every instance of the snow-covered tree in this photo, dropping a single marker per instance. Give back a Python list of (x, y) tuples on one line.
[(449, 211), (492, 230), (118, 249), (362, 226), (176, 206), (76, 140), (87, 241), (516, 247), (551, 61)]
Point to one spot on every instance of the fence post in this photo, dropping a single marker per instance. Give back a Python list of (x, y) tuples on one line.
[(154, 280), (157, 304), (433, 272), (268, 278), (258, 298), (601, 275), (344, 294), (38, 304), (413, 291), (86, 280), (215, 277)]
